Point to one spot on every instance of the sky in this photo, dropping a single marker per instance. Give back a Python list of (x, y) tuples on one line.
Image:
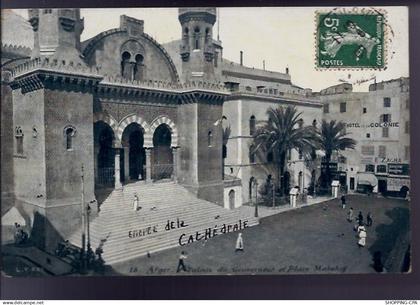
[(282, 36)]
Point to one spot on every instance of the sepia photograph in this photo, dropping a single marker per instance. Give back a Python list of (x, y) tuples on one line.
[(201, 141)]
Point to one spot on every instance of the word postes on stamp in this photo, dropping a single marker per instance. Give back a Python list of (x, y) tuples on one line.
[(350, 40)]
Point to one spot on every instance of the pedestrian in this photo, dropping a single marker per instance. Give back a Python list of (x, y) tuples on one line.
[(350, 215), (239, 243), (407, 196), (360, 218), (369, 219), (343, 201), (181, 262), (136, 202), (362, 238)]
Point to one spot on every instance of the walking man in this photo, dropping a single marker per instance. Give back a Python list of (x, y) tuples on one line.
[(181, 262), (136, 202), (350, 215), (239, 243), (369, 219), (360, 218), (343, 201)]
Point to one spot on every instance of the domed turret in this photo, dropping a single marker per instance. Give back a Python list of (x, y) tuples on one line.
[(197, 50)]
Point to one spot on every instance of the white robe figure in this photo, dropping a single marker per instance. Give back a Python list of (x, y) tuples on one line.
[(362, 238), (135, 203), (239, 243)]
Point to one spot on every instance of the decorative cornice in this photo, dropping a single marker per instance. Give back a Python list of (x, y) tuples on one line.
[(39, 72), (286, 98)]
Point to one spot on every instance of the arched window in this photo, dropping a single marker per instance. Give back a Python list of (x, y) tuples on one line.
[(251, 154), (270, 157), (314, 123), (138, 68), (125, 65), (210, 139), (252, 125), (69, 133), (250, 187), (197, 38)]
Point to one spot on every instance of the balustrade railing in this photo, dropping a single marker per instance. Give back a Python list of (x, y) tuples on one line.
[(162, 171)]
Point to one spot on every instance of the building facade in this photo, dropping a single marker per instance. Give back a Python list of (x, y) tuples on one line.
[(379, 121), (86, 116)]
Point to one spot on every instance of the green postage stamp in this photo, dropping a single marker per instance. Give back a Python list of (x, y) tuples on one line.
[(351, 39)]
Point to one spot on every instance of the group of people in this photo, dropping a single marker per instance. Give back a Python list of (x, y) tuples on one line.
[(360, 224)]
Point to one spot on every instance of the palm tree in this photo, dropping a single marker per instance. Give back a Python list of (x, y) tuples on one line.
[(281, 133), (332, 138)]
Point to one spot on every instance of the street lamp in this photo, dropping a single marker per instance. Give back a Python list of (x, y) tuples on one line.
[(256, 198), (83, 252)]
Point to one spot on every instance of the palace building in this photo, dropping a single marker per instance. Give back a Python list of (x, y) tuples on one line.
[(88, 122)]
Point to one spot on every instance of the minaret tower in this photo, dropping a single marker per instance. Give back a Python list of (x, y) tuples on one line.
[(197, 50), (57, 32)]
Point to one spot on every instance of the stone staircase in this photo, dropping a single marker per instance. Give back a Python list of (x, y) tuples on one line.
[(160, 203)]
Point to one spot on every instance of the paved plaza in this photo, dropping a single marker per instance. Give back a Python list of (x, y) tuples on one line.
[(312, 239)]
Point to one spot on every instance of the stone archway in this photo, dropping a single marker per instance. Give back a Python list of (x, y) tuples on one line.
[(162, 157), (104, 155), (133, 160)]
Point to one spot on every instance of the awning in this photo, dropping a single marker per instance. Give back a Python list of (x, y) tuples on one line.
[(367, 179)]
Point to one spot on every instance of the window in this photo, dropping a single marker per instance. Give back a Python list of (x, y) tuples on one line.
[(387, 102), (385, 118), (69, 133), (138, 68), (252, 125), (385, 132), (19, 140), (368, 135), (326, 108), (364, 110), (343, 107), (48, 11), (382, 151), (209, 139), (368, 150), (381, 168), (197, 38), (407, 126), (270, 157), (407, 153), (314, 123), (370, 168), (251, 154), (289, 155), (125, 65), (300, 154)]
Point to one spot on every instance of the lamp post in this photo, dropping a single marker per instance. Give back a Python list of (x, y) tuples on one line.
[(274, 193), (256, 198), (89, 250), (83, 253)]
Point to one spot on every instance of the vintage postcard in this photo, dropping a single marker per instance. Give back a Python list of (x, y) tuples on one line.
[(205, 141)]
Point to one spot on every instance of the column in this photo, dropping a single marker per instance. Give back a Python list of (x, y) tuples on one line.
[(148, 165), (117, 171), (126, 164), (175, 163), (95, 162)]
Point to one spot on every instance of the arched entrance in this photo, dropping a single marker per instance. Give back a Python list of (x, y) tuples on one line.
[(104, 154), (286, 183), (251, 189), (300, 181), (134, 157), (231, 199), (162, 158)]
